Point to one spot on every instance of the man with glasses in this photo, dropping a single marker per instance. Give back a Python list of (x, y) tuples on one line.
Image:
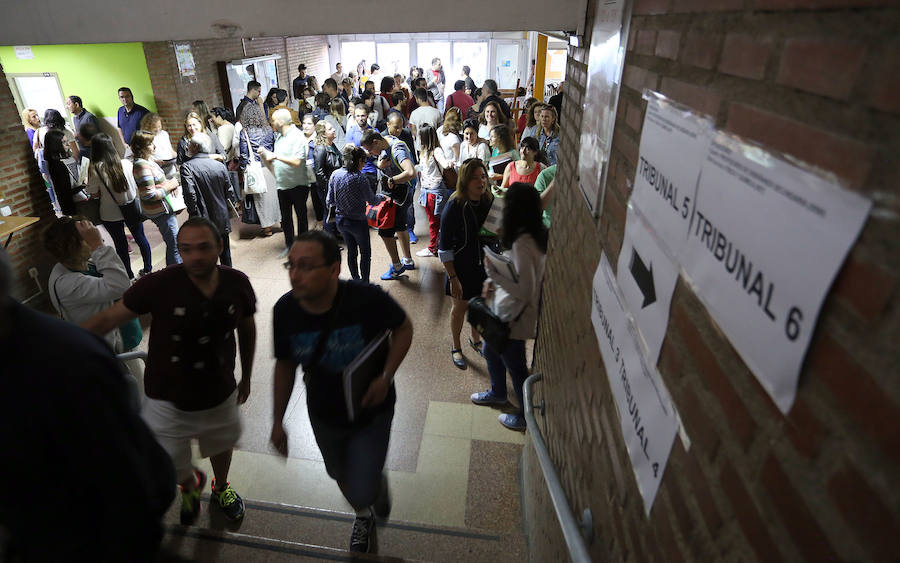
[(189, 375), (323, 324)]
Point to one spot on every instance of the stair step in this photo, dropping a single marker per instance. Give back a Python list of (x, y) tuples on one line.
[(304, 528), (222, 546)]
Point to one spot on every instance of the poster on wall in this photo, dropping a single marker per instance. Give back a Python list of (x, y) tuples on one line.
[(647, 278), (674, 144), (606, 59), (185, 59), (764, 243), (647, 416)]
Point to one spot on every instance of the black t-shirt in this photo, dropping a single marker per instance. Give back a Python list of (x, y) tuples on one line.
[(192, 349), (365, 311)]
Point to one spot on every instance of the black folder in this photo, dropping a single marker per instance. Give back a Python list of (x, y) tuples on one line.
[(367, 365)]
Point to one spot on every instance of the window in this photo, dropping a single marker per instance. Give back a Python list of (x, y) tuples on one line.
[(355, 52), (393, 58), (473, 55), (427, 51)]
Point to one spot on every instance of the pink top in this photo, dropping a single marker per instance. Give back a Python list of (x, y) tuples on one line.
[(514, 175)]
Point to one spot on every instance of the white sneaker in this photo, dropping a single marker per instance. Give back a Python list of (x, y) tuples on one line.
[(425, 253)]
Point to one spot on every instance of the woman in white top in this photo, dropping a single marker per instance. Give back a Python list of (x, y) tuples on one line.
[(337, 119), (163, 153), (111, 177), (515, 300), (79, 290), (434, 193), (473, 146), (491, 116), (450, 135)]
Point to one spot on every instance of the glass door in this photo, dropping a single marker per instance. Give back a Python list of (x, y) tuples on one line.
[(506, 63)]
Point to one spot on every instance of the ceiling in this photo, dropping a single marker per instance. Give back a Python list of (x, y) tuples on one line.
[(40, 22)]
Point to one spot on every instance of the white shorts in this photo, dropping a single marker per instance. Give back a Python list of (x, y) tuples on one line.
[(216, 430)]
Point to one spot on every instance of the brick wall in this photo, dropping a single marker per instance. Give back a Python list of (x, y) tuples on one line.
[(816, 79), (21, 188), (174, 95)]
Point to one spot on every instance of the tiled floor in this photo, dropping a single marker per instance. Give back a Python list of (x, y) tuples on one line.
[(450, 462)]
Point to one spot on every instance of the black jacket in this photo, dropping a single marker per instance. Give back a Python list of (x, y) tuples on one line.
[(327, 160), (207, 184)]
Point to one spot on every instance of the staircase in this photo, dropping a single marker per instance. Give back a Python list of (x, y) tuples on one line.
[(280, 532)]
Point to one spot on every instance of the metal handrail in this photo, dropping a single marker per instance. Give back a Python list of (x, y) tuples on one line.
[(574, 533)]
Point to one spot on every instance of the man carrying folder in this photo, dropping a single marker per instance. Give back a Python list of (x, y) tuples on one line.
[(323, 324)]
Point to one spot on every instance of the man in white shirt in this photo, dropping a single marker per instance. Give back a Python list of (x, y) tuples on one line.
[(424, 114), (339, 75)]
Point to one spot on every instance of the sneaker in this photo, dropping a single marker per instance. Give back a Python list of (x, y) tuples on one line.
[(284, 253), (408, 264), (512, 421), (382, 506), (143, 272), (458, 359), (190, 500), (487, 398), (392, 273), (362, 538), (229, 501), (424, 253), (413, 239)]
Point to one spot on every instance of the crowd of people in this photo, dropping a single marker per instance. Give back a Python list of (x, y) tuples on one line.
[(361, 145)]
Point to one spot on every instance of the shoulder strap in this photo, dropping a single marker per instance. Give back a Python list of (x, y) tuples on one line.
[(62, 313)]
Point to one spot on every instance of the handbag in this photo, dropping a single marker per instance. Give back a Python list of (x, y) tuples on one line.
[(449, 175), (486, 322), (249, 215), (383, 214), (131, 211)]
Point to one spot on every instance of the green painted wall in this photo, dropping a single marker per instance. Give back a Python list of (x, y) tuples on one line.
[(93, 71)]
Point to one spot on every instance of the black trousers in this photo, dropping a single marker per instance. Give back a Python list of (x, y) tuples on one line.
[(290, 201)]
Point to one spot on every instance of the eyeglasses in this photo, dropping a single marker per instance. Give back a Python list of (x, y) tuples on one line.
[(303, 266)]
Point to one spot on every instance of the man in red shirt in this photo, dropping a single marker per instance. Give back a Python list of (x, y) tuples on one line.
[(459, 98)]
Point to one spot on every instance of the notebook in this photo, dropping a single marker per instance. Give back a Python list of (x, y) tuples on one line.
[(367, 365)]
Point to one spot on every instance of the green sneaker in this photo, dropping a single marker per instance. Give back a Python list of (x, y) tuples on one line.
[(229, 501), (190, 500)]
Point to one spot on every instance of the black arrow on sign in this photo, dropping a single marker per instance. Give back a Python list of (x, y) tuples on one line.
[(644, 278)]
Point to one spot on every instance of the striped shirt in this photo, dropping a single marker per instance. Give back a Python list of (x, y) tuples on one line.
[(149, 178), (349, 192)]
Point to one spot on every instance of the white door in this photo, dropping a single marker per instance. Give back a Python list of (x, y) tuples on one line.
[(506, 65), (39, 92)]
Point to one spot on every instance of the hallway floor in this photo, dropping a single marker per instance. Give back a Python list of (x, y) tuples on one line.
[(453, 469)]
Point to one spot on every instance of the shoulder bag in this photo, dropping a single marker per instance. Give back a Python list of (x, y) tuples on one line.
[(254, 177), (494, 330), (131, 211)]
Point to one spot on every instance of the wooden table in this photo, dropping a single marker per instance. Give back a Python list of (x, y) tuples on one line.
[(9, 224)]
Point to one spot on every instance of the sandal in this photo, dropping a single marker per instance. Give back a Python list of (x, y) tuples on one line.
[(458, 359), (477, 346)]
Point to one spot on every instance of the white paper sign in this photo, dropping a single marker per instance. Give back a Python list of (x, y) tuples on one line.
[(764, 244), (674, 143), (23, 52), (647, 278), (646, 414)]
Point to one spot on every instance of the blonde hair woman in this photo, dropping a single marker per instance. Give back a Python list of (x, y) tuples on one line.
[(32, 122)]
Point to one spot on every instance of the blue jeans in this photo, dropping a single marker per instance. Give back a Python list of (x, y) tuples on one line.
[(512, 359), (356, 234), (116, 230), (168, 228)]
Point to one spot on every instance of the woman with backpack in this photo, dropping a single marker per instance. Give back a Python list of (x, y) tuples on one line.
[(111, 177)]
